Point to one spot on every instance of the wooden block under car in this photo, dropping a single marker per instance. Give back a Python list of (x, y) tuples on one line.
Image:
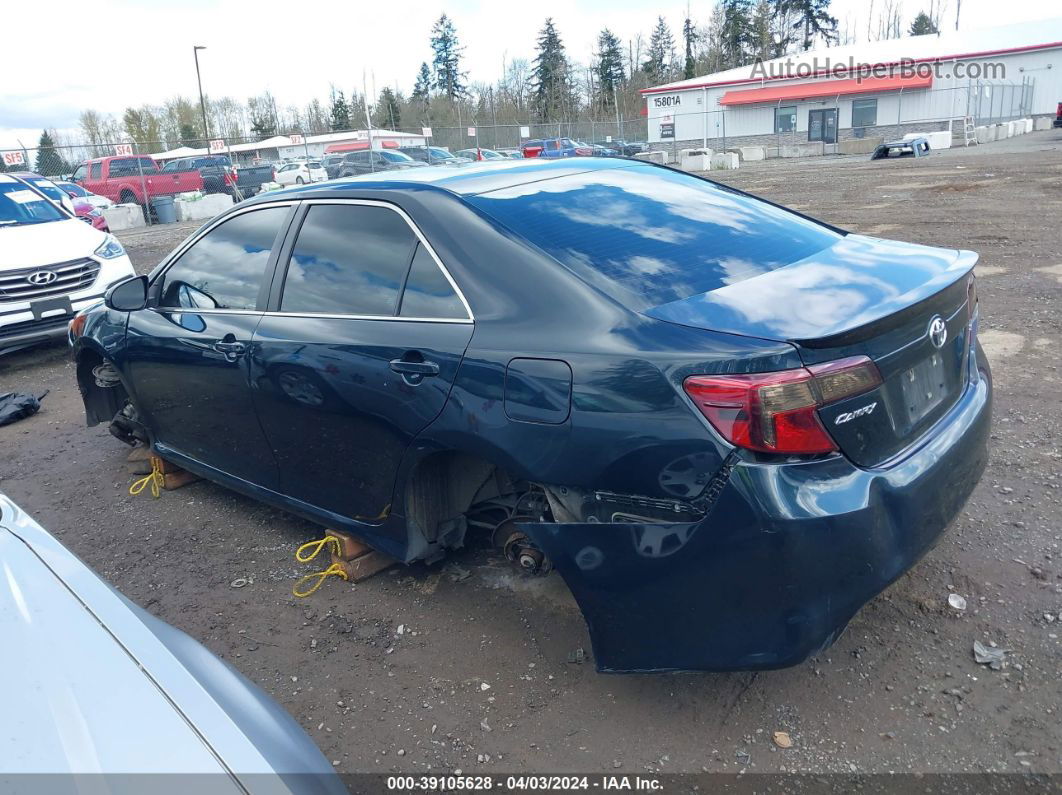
[(351, 547), (358, 559), (138, 462), (364, 566), (178, 478)]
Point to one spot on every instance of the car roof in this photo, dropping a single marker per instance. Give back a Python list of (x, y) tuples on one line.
[(468, 179)]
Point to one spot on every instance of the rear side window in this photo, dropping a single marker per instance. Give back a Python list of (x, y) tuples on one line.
[(428, 293), (648, 236), (348, 260), (225, 268)]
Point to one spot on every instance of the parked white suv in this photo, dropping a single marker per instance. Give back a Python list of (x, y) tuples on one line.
[(51, 265)]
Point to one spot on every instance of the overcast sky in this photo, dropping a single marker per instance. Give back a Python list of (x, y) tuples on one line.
[(116, 53)]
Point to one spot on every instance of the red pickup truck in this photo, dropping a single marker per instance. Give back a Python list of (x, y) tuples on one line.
[(119, 179)]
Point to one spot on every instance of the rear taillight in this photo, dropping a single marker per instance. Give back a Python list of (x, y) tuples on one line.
[(971, 295), (777, 412)]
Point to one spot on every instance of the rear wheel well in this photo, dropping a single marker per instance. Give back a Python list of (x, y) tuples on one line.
[(451, 493)]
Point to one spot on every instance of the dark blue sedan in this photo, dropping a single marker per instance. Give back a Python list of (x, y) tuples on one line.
[(725, 424)]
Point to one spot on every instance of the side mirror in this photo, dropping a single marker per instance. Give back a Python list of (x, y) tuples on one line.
[(127, 296)]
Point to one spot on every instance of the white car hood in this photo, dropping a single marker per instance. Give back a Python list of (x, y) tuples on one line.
[(30, 245), (74, 700)]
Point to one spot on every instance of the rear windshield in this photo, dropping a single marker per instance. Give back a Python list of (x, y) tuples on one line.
[(22, 205), (648, 236), (47, 187)]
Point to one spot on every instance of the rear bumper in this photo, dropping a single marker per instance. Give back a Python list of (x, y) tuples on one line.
[(774, 573)]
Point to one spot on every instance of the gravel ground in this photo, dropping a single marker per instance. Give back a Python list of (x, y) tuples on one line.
[(466, 665)]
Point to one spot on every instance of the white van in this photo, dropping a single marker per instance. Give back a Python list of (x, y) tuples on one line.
[(51, 265)]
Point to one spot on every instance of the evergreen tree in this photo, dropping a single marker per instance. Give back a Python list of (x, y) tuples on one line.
[(49, 162), (609, 69), (422, 85), (388, 113), (736, 34), (550, 82), (922, 25), (813, 18), (661, 55), (689, 37), (339, 112), (189, 134), (447, 59)]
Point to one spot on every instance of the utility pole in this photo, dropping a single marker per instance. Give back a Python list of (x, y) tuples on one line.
[(202, 104), (958, 8)]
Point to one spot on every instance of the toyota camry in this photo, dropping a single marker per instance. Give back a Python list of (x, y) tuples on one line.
[(725, 424)]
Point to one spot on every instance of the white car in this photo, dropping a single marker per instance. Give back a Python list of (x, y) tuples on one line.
[(80, 195), (51, 265), (301, 173)]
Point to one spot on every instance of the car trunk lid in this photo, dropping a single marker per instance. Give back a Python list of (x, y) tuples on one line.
[(903, 305)]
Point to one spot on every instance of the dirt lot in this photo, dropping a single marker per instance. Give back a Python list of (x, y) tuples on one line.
[(899, 691)]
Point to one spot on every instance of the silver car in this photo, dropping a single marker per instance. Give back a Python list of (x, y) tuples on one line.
[(90, 684)]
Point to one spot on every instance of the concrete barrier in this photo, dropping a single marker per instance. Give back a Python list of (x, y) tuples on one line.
[(1042, 123), (123, 216), (859, 146), (938, 139), (695, 159), (207, 207), (1002, 132), (748, 153), (1028, 125), (655, 156), (795, 150), (725, 161)]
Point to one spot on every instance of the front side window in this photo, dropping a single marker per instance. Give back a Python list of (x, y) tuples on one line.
[(428, 293), (785, 119), (79, 173), (225, 268), (97, 170), (864, 112), (348, 260)]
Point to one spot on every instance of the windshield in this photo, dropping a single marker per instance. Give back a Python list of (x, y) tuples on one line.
[(397, 157), (74, 188), (439, 154), (47, 187), (21, 205), (648, 236)]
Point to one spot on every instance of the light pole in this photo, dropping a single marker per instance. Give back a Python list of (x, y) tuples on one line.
[(202, 105)]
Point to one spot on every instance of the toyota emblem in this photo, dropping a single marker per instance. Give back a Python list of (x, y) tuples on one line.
[(41, 278), (938, 332)]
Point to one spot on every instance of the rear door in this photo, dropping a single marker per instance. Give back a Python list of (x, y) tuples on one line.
[(188, 355), (357, 355)]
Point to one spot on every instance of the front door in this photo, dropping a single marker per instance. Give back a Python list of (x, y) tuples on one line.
[(187, 354), (358, 357), (822, 125)]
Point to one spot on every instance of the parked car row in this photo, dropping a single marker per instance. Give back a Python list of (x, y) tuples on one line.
[(569, 147)]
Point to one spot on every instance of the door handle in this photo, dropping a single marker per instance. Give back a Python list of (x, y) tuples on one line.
[(232, 350), (422, 369)]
